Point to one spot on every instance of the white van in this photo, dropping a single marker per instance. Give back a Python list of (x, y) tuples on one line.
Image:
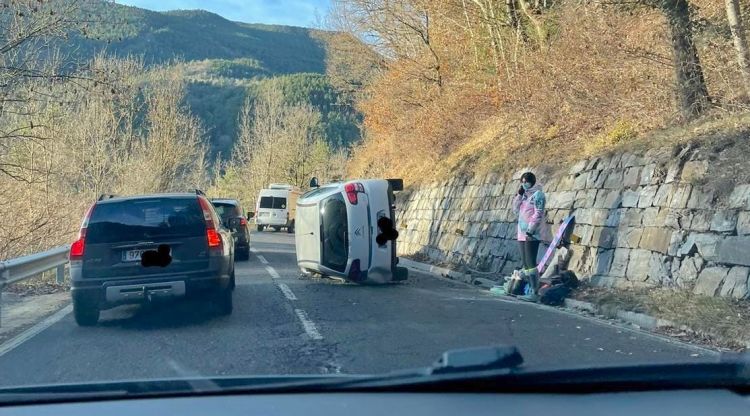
[(276, 207), (338, 232)]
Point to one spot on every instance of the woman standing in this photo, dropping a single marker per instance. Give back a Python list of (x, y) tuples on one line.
[(529, 206)]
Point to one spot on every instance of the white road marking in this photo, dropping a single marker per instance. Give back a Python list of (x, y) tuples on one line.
[(34, 330), (310, 328), (262, 259), (253, 249), (272, 272), (286, 291)]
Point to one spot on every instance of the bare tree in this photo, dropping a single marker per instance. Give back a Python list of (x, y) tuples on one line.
[(734, 17)]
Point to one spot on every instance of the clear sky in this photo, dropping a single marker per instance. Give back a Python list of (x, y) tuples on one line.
[(286, 12)]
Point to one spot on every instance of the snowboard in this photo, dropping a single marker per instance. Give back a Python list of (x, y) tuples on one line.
[(562, 237)]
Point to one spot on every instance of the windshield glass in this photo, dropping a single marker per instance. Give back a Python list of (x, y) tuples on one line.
[(354, 187)]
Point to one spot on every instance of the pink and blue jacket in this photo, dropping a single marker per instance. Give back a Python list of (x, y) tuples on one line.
[(530, 211)]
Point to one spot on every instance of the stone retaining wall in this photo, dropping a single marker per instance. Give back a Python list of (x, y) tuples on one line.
[(643, 221)]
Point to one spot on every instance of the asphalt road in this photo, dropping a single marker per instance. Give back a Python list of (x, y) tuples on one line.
[(285, 324)]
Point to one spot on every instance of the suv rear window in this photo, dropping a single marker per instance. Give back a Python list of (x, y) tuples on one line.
[(145, 219)]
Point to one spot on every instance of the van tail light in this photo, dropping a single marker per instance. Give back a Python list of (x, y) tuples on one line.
[(355, 271), (212, 235), (351, 190), (243, 221), (78, 248)]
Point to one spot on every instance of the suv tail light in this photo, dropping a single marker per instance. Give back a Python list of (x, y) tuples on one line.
[(351, 190), (212, 235), (243, 221), (78, 248)]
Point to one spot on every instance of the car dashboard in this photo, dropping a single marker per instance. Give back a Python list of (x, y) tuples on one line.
[(673, 402)]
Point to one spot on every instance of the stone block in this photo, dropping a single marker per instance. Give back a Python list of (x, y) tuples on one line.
[(740, 197), (638, 265), (647, 174), (659, 270), (604, 237), (580, 181), (673, 172), (701, 199), (733, 250), (629, 237), (656, 239), (579, 167), (681, 196), (604, 262), (651, 217), (735, 284), (676, 218), (694, 170), (614, 161), (586, 198), (566, 183), (565, 200), (632, 217), (701, 221), (675, 243), (688, 271), (724, 221), (596, 179), (592, 163), (632, 177), (705, 244), (630, 198), (614, 180), (663, 196), (710, 280), (647, 196), (609, 199), (743, 223)]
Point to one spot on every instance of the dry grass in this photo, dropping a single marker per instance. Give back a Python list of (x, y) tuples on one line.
[(604, 84), (719, 321)]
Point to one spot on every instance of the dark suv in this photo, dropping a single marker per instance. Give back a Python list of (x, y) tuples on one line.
[(142, 248), (232, 216)]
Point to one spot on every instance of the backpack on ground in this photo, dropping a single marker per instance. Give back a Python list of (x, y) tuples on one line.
[(553, 295)]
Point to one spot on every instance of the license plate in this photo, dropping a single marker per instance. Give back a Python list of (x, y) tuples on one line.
[(132, 255)]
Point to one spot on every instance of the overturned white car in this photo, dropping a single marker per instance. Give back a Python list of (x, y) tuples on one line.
[(347, 230)]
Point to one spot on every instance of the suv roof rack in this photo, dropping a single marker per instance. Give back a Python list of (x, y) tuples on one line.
[(102, 197)]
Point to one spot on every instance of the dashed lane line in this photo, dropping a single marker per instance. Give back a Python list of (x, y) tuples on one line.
[(310, 328), (272, 272), (262, 259), (286, 291)]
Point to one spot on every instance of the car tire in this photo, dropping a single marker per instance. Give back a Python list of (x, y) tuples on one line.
[(277, 228), (260, 228), (242, 254), (85, 313)]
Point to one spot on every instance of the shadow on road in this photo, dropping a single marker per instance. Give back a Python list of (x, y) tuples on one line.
[(167, 314)]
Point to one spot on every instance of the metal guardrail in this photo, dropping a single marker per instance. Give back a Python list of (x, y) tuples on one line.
[(22, 268)]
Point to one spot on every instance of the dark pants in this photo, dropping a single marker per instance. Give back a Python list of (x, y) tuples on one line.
[(529, 250)]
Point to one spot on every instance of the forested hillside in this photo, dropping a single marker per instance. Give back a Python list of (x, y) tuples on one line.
[(223, 61)]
